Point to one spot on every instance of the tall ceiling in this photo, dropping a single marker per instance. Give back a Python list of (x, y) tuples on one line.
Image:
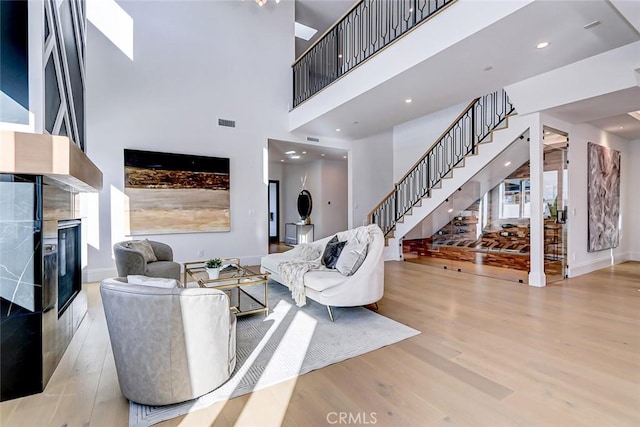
[(511, 59), (318, 14)]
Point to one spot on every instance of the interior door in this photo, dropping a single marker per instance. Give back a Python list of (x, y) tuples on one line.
[(556, 202), (274, 211)]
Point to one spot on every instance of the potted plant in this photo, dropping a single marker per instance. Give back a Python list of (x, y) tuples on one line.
[(213, 267)]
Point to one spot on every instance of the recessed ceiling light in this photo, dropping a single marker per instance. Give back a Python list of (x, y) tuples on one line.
[(355, 123), (507, 164), (303, 32), (410, 10), (621, 127), (408, 100), (344, 157), (290, 152), (282, 160), (450, 210), (295, 157), (323, 154), (338, 130), (542, 45), (304, 152), (339, 55), (487, 68)]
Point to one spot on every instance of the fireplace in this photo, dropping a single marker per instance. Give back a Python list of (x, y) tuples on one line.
[(69, 272), (41, 298)]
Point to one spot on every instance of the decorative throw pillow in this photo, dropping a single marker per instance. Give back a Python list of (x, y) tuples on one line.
[(351, 257), (332, 252), (158, 282), (144, 247)]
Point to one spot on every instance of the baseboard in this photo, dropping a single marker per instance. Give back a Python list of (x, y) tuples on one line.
[(634, 256), (98, 274), (251, 260), (576, 270)]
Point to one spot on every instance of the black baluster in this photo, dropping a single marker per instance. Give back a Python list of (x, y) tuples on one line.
[(473, 127)]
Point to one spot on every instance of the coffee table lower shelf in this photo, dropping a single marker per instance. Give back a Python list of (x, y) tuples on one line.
[(234, 282)]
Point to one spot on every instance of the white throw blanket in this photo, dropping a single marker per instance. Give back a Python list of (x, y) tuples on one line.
[(292, 272), (308, 257)]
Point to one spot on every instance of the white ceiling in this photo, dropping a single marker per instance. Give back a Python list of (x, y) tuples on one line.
[(307, 152), (457, 74), (318, 14)]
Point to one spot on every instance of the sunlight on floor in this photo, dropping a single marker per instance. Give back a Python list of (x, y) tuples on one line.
[(298, 337), (271, 402)]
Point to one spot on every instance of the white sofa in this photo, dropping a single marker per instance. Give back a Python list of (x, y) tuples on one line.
[(330, 287)]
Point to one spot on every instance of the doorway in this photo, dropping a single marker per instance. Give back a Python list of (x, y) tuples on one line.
[(274, 211), (556, 203)]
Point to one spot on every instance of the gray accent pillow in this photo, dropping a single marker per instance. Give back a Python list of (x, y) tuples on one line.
[(352, 257), (144, 247), (332, 252)]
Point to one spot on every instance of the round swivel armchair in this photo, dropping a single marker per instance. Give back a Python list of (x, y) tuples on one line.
[(131, 261), (169, 345)]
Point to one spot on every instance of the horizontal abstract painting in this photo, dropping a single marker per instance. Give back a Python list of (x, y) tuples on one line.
[(176, 193), (603, 197)]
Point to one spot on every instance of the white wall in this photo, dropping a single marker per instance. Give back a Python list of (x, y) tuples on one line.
[(327, 182), (634, 203), (291, 185), (580, 261), (333, 199), (185, 74), (370, 175), (412, 139)]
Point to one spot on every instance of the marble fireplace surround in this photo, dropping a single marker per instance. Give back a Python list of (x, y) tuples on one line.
[(42, 177)]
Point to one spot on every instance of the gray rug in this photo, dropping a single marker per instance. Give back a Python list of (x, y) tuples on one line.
[(291, 341)]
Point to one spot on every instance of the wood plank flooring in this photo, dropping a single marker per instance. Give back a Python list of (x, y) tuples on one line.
[(491, 353)]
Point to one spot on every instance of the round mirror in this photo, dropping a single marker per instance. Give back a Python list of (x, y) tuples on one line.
[(304, 204)]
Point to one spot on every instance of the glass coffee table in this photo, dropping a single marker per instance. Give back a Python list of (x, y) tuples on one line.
[(234, 279)]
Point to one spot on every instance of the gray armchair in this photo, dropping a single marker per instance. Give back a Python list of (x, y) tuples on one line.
[(130, 261), (169, 345)]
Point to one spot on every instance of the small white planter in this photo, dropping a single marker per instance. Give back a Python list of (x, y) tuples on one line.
[(213, 273)]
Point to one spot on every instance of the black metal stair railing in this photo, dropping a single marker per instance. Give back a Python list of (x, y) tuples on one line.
[(367, 28), (472, 127)]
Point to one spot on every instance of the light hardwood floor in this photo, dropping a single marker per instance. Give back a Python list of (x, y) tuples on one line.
[(491, 353)]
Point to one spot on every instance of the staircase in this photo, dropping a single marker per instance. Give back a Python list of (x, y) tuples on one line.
[(454, 155)]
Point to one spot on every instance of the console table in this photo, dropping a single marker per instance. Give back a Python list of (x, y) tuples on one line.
[(295, 233)]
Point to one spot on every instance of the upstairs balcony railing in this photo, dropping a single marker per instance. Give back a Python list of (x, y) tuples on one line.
[(367, 28), (472, 127)]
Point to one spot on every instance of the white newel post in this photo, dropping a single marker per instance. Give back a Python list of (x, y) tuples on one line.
[(536, 153)]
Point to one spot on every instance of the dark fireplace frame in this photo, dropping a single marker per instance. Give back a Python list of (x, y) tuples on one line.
[(69, 269)]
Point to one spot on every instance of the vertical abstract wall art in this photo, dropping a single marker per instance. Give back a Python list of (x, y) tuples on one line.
[(176, 193), (603, 197)]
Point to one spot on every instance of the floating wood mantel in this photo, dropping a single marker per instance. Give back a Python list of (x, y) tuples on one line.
[(56, 157)]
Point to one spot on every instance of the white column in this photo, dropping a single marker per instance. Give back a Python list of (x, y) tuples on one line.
[(536, 161)]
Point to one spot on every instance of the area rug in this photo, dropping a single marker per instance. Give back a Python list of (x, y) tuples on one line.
[(291, 341)]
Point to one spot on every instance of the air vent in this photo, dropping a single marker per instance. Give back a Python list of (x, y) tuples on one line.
[(227, 123), (312, 139)]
